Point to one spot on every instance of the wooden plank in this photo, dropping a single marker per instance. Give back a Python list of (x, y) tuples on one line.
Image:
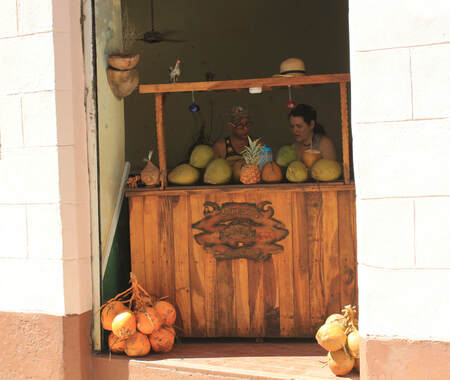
[(181, 264), (255, 270), (152, 246), (301, 266), (137, 245), (197, 270), (271, 300), (330, 253), (242, 83), (245, 189), (345, 133), (347, 248), (166, 246), (159, 109), (283, 263), (241, 291), (313, 211), (225, 301)]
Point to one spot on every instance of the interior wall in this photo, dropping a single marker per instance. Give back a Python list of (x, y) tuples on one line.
[(234, 40)]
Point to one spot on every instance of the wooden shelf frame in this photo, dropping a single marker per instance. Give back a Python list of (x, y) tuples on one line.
[(160, 90)]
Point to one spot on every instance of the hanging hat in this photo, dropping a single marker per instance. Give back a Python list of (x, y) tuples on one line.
[(291, 67)]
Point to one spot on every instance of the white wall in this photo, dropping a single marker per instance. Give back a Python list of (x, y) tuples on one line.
[(400, 60), (44, 195)]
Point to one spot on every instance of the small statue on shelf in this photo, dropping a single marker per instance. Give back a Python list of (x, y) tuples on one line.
[(175, 72)]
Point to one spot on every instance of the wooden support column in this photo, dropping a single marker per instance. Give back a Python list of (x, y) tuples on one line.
[(345, 135), (159, 108)]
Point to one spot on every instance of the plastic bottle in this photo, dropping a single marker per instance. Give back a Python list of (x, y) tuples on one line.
[(266, 156)]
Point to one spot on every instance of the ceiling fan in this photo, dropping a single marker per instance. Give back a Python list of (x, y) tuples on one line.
[(154, 36)]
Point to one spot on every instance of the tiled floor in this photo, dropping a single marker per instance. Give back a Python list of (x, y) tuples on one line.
[(243, 360)]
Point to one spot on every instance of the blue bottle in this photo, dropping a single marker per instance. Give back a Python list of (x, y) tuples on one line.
[(266, 156)]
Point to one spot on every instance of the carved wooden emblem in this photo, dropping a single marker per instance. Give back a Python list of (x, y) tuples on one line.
[(240, 230)]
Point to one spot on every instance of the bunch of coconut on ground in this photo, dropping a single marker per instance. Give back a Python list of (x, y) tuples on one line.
[(339, 335), (138, 323)]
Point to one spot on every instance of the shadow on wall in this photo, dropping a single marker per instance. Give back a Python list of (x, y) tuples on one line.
[(234, 40)]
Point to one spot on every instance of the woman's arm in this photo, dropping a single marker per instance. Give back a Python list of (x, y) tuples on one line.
[(327, 149), (219, 148)]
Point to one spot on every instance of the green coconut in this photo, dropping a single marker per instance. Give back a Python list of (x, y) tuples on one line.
[(326, 170), (184, 174), (297, 172), (285, 155), (201, 156), (218, 172)]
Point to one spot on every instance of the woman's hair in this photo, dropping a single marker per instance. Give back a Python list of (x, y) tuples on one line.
[(308, 113)]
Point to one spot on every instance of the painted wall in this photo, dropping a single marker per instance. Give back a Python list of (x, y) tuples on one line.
[(111, 135), (400, 59), (44, 197), (235, 40)]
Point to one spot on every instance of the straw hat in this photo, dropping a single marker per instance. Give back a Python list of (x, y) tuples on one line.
[(291, 67)]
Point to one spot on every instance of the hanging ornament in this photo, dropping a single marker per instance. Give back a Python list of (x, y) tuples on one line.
[(194, 107), (290, 104)]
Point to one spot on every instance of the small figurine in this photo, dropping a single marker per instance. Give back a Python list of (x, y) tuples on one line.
[(174, 72)]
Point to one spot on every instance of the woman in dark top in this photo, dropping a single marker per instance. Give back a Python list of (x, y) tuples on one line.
[(308, 133), (231, 146)]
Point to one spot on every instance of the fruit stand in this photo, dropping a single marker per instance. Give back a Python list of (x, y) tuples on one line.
[(263, 260)]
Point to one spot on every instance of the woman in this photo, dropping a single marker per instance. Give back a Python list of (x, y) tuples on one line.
[(308, 133), (231, 146)]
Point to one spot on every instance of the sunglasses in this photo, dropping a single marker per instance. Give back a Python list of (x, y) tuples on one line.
[(247, 124)]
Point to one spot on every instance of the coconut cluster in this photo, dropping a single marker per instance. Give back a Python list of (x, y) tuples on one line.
[(339, 335), (137, 324)]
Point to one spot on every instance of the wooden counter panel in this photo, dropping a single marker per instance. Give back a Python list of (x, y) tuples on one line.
[(288, 295)]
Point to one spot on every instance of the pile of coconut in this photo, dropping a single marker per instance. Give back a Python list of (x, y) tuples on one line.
[(138, 323), (340, 337)]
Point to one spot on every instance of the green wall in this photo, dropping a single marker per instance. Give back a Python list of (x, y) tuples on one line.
[(235, 40)]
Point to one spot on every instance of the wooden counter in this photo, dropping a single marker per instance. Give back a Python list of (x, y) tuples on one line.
[(234, 269)]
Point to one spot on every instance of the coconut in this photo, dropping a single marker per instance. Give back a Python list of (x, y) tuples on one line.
[(171, 330), (110, 311), (184, 174), (124, 324), (336, 318), (218, 172), (150, 174), (201, 156), (167, 312), (162, 340), (296, 172), (285, 155), (353, 343), (310, 156), (148, 320), (137, 344), (116, 344), (271, 173), (340, 362), (326, 170), (331, 336)]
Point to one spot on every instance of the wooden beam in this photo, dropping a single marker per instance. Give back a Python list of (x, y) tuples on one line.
[(159, 108), (243, 83), (345, 134)]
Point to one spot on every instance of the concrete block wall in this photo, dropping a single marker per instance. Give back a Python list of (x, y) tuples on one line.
[(44, 188), (400, 60)]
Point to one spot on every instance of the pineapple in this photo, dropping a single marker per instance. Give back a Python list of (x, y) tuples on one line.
[(250, 172)]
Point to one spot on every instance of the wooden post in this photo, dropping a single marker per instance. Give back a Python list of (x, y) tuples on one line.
[(345, 136), (159, 108)]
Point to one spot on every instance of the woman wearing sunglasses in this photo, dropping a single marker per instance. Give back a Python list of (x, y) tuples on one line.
[(231, 146)]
